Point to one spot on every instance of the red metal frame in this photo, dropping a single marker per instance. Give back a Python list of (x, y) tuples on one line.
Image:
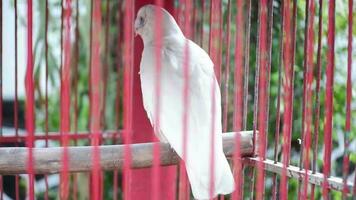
[(317, 96), (29, 84), (288, 96), (330, 67), (160, 182), (348, 102)]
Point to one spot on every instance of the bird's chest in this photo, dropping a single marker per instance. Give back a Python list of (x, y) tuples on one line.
[(159, 79), (159, 70)]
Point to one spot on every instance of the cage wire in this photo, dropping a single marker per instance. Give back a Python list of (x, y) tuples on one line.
[(80, 130)]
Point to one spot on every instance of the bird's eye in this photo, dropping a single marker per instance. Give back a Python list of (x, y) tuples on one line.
[(141, 20)]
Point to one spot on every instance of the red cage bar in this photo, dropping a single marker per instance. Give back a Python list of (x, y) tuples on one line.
[(122, 149)]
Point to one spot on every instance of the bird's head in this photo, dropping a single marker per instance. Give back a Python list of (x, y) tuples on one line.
[(145, 23)]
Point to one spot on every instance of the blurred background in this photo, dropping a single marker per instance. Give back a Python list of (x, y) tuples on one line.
[(111, 56)]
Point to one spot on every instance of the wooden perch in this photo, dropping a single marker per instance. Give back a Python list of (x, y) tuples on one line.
[(49, 160)]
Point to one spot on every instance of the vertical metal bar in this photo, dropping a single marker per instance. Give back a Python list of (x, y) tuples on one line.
[(278, 116), (214, 54), (184, 184), (268, 71), (308, 94), (105, 71), (256, 96), (294, 31), (106, 63), (243, 166), (227, 68), (210, 25), (96, 101), (194, 21), (246, 79), (293, 49), (65, 100), (115, 181), (15, 100), (220, 39), (213, 35), (238, 98), (16, 117), (61, 38), (247, 64), (290, 86), (118, 88), (90, 58), (75, 76), (256, 87), (157, 100), (76, 68), (202, 23), (62, 190), (317, 96), (329, 97), (269, 64), (348, 102), (212, 142), (212, 146), (180, 15), (262, 62), (30, 102), (251, 176), (306, 36), (105, 78), (293, 43), (288, 96), (128, 78), (46, 83)]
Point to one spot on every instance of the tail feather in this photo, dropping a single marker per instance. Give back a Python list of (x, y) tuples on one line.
[(200, 179)]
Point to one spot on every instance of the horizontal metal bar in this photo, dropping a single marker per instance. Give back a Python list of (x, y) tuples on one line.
[(57, 136), (13, 160), (334, 183)]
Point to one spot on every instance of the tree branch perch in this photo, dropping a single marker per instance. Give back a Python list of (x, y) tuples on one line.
[(13, 160)]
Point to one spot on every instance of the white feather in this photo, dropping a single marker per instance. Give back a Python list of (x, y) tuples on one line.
[(201, 80)]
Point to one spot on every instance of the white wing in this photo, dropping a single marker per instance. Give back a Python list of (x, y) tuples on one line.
[(199, 131)]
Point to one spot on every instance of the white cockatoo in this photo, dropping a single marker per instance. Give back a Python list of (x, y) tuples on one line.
[(200, 116)]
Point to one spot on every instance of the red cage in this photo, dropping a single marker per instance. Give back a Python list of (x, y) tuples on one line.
[(117, 156)]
